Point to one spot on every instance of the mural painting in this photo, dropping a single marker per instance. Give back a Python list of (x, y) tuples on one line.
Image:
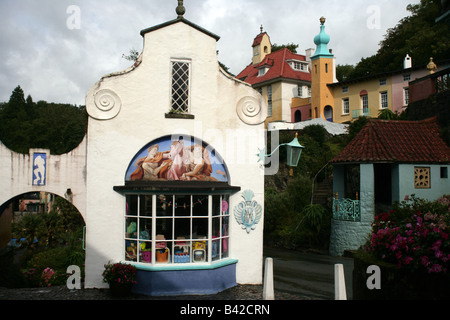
[(39, 169), (180, 159)]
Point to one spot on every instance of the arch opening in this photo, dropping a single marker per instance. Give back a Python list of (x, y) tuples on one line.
[(39, 230)]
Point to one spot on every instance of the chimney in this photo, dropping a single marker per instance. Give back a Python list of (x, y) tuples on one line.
[(407, 63)]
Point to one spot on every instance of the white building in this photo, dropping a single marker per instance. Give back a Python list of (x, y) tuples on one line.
[(173, 181)]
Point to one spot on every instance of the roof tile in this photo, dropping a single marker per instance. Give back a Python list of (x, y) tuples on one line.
[(396, 142), (279, 68)]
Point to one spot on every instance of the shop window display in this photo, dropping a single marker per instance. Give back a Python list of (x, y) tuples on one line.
[(176, 229)]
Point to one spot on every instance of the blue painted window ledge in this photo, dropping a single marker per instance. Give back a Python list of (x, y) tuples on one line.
[(182, 266)]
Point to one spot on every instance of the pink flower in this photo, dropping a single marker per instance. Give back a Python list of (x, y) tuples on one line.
[(435, 268), (424, 260), (407, 260)]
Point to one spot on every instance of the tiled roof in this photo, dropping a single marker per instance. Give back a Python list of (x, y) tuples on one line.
[(396, 142), (279, 68), (258, 39)]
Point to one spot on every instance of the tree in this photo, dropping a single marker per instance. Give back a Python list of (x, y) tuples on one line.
[(25, 124), (417, 35), (343, 72), (292, 47), (132, 56)]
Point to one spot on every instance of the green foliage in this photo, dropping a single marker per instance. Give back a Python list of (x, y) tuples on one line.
[(25, 124), (387, 114), (57, 259), (290, 218), (292, 47), (417, 35), (343, 72)]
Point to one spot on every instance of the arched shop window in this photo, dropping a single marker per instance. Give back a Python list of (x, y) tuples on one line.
[(177, 196)]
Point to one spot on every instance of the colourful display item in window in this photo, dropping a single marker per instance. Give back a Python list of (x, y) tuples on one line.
[(182, 257), (199, 245), (162, 255), (147, 256)]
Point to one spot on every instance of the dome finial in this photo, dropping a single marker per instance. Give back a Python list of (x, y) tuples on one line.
[(322, 20), (180, 9)]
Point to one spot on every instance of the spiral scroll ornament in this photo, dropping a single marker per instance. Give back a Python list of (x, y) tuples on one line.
[(252, 110), (107, 103)]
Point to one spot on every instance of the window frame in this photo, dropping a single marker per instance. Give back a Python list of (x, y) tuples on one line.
[(406, 96), (174, 105), (219, 216), (384, 103), (365, 104), (345, 106)]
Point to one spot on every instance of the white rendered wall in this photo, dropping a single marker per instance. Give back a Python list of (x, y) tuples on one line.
[(67, 171), (143, 95)]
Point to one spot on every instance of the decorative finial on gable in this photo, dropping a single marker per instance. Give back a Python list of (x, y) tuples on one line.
[(180, 9), (262, 29)]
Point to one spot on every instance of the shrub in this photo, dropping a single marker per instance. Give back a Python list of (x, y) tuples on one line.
[(414, 235)]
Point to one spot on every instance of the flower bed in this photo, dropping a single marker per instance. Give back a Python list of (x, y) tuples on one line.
[(411, 243)]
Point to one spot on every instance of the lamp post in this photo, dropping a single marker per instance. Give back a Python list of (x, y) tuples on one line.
[(294, 151)]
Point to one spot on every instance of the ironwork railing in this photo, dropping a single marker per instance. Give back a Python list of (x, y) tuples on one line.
[(361, 112), (346, 209)]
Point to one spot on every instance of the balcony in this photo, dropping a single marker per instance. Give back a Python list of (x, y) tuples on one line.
[(365, 112)]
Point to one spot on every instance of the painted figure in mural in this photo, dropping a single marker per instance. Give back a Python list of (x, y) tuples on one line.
[(39, 172), (176, 154), (151, 167), (198, 164), (180, 163)]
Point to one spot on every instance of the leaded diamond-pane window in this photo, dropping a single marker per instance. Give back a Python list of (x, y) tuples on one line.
[(180, 86)]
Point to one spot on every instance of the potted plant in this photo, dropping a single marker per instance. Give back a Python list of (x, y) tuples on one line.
[(121, 277)]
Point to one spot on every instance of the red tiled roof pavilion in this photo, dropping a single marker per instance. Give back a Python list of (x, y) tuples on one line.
[(383, 141)]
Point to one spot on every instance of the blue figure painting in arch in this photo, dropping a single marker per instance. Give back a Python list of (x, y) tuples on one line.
[(39, 168)]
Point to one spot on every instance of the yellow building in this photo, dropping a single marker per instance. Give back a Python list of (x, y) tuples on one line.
[(361, 98), (279, 76)]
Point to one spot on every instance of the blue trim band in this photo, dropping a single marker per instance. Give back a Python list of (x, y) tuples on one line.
[(186, 267)]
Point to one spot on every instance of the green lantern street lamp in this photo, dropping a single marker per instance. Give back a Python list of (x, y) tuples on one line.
[(294, 151)]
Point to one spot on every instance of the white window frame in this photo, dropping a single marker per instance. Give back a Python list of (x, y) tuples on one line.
[(407, 77), (384, 100), (383, 82), (216, 220), (365, 104), (344, 89), (262, 71), (405, 96), (300, 91), (345, 106)]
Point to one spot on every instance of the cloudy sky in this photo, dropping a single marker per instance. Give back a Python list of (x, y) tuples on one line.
[(57, 49)]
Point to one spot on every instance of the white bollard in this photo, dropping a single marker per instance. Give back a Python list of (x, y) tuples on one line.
[(268, 289), (339, 282)]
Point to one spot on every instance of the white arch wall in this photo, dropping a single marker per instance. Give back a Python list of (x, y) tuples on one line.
[(67, 171)]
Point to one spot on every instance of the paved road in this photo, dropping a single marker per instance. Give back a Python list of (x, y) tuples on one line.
[(308, 274)]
